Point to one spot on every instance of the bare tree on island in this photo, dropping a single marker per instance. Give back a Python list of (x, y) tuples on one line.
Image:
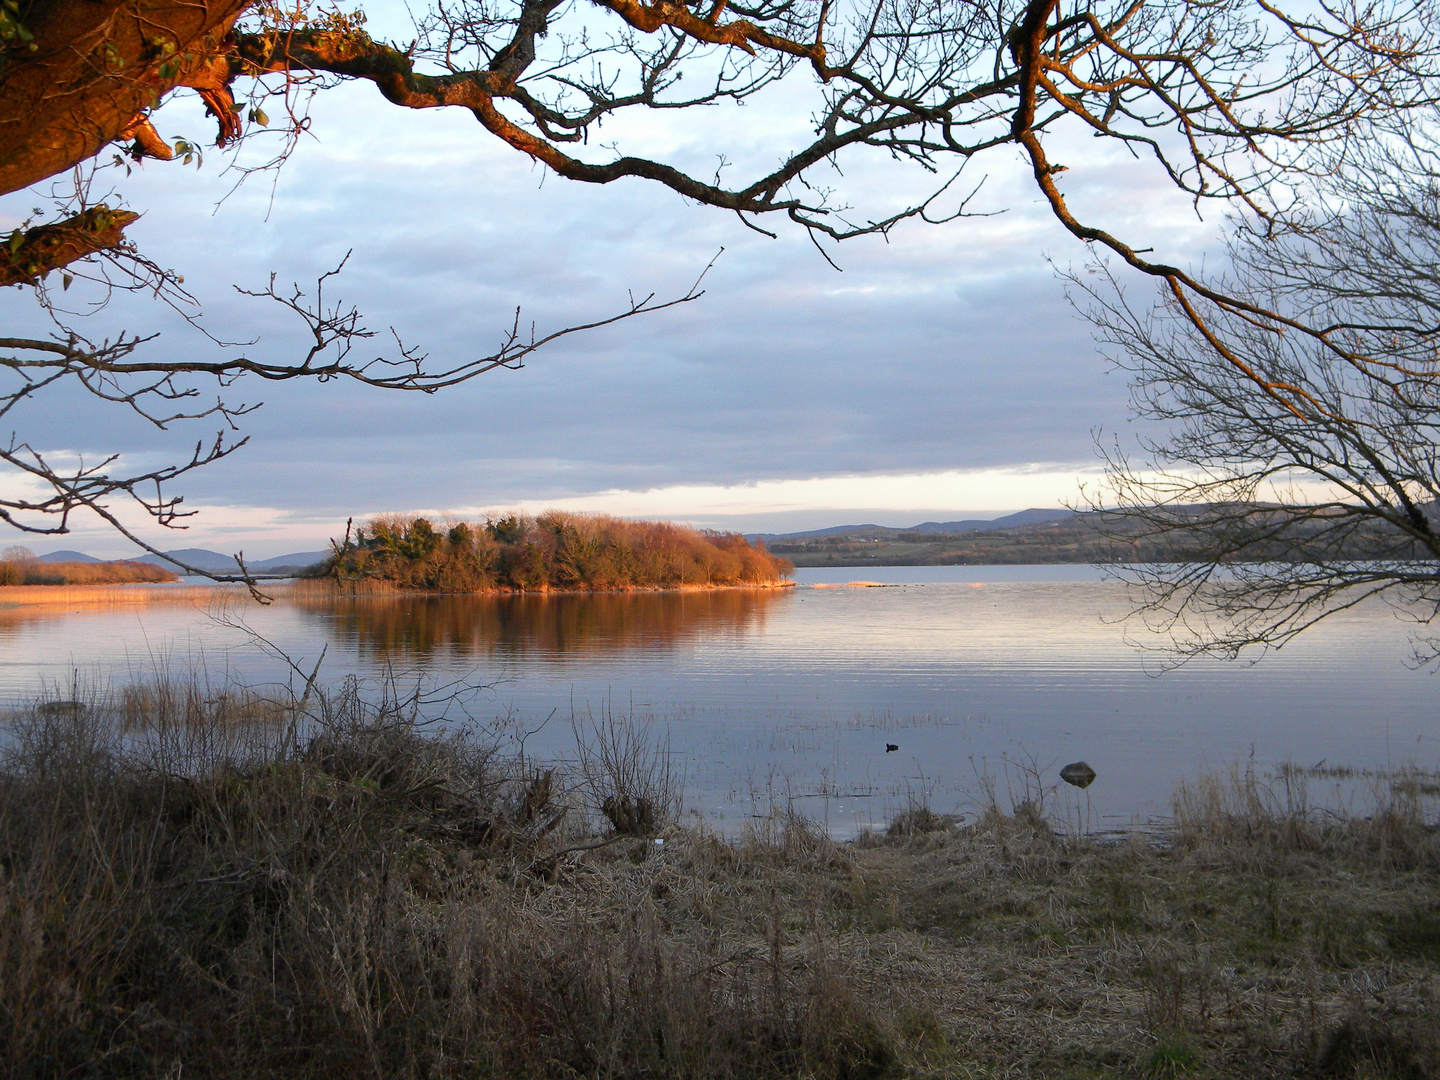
[(1294, 475), (1227, 100)]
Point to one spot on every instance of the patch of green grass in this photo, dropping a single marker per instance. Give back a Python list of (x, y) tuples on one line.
[(1344, 938), (1172, 1056), (1115, 903)]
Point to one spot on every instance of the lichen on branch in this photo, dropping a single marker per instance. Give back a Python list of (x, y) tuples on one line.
[(29, 254)]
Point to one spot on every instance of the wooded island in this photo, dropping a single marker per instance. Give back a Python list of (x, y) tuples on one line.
[(553, 551)]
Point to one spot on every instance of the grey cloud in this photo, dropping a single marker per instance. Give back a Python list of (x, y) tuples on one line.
[(949, 347)]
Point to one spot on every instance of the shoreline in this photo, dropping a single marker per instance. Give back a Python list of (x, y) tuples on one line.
[(14, 597)]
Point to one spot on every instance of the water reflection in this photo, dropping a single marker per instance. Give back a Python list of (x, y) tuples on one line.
[(502, 627), (23, 607), (801, 692)]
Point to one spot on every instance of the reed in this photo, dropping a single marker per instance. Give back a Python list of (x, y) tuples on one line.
[(233, 884), (116, 595)]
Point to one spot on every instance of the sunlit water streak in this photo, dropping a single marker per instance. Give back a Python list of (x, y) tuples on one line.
[(764, 695)]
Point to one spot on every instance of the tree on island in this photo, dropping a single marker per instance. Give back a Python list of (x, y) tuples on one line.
[(1300, 476), (555, 550), (1227, 100)]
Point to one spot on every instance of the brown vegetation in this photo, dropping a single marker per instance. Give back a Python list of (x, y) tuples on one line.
[(19, 567), (555, 551), (194, 882)]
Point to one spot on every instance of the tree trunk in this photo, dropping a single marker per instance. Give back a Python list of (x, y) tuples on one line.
[(92, 67)]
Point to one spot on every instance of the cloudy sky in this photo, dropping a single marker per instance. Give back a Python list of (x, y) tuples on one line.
[(939, 374)]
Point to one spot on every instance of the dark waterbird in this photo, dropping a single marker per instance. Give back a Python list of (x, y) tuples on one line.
[(890, 748), (1078, 774)]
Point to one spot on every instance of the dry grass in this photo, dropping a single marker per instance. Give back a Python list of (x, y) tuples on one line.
[(102, 573), (229, 885), (1249, 941), (19, 567), (226, 885), (75, 596)]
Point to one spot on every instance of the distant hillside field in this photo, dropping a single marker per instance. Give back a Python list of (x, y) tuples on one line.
[(1058, 537), (554, 551), (872, 532), (1091, 537)]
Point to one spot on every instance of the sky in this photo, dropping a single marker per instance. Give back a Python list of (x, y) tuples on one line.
[(940, 373)]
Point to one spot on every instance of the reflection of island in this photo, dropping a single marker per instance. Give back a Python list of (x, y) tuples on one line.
[(530, 624)]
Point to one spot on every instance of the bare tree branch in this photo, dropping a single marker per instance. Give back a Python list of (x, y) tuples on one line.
[(165, 393), (1244, 103), (1294, 477)]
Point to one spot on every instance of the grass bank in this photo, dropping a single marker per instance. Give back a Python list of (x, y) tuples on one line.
[(224, 883), (552, 552)]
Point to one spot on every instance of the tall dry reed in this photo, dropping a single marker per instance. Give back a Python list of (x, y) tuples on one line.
[(229, 884)]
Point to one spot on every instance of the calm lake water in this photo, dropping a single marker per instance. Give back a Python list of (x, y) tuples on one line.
[(972, 672)]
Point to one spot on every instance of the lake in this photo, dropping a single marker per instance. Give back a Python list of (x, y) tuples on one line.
[(765, 696)]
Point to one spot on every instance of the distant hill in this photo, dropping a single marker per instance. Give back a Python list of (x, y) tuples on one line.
[(1030, 536), (203, 559), (198, 557), (299, 560), (833, 530), (874, 532), (216, 563), (1009, 521), (68, 556), (1047, 536)]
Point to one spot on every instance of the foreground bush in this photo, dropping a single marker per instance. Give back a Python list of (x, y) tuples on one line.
[(553, 551)]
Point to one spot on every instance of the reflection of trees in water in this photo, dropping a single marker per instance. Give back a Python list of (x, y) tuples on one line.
[(566, 623)]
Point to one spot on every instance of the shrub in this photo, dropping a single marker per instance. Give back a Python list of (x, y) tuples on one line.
[(33, 572)]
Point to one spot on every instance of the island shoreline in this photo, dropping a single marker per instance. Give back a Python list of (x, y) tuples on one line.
[(135, 593)]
